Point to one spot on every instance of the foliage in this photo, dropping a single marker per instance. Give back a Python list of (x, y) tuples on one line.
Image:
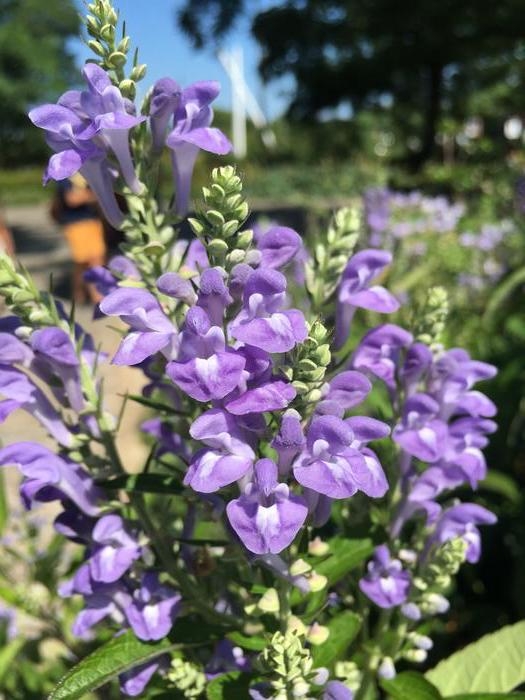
[(35, 64)]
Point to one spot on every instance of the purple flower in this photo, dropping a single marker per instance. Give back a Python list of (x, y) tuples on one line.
[(289, 441), (266, 517), (21, 392), (165, 98), (260, 323), (355, 290), (279, 245), (335, 690), (271, 396), (226, 657), (205, 368), (153, 609), (461, 521), (152, 330), (175, 286), (213, 295), (192, 118), (332, 463), (386, 582), (115, 549), (133, 682), (417, 362), (420, 433), (344, 391), (104, 600), (53, 347), (50, 477), (230, 458), (379, 352)]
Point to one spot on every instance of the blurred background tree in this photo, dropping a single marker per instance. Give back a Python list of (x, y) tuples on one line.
[(416, 61), (35, 66)]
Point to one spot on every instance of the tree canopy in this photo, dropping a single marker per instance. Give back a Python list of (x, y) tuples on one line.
[(35, 65), (420, 60)]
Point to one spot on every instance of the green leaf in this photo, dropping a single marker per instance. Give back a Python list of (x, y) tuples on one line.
[(145, 483), (124, 652), (229, 686), (343, 630), (488, 696), (245, 642), (345, 556), (502, 484), (493, 664), (410, 685), (8, 654)]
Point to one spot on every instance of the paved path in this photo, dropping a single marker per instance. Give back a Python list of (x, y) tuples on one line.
[(42, 249)]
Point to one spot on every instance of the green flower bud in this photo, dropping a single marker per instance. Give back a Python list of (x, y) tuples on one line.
[(196, 227), (269, 602), (244, 239), (128, 89), (96, 47), (230, 228), (318, 548), (123, 45), (214, 217), (107, 32), (300, 567), (138, 72), (217, 247), (236, 256), (117, 59)]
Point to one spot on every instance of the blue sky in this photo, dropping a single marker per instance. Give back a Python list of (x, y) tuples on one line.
[(167, 52)]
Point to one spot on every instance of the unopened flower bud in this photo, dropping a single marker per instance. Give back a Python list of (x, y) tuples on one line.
[(96, 47), (123, 45), (215, 218), (318, 548), (386, 669), (294, 624), (317, 582), (127, 88), (411, 611), (421, 641), (217, 247), (116, 59), (317, 634), (138, 72), (230, 228), (269, 602), (408, 555), (107, 32), (417, 656), (253, 257), (300, 567)]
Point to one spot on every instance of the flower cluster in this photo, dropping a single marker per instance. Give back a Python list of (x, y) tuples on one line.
[(261, 435)]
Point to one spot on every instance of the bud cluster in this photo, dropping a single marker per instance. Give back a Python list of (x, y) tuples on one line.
[(187, 678), (308, 364), (431, 324), (112, 54), (223, 211), (331, 257), (22, 296)]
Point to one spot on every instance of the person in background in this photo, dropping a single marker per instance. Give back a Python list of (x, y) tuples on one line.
[(77, 212), (6, 239)]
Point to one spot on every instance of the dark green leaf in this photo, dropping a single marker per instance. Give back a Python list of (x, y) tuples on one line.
[(343, 630), (8, 654), (124, 652), (229, 686), (144, 483), (493, 664), (410, 685), (488, 696), (245, 642), (345, 556), (502, 484), (157, 405)]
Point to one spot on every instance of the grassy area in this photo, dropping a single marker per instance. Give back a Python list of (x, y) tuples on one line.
[(23, 186)]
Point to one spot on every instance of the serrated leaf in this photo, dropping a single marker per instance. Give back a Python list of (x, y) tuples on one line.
[(410, 685), (229, 686), (145, 483), (493, 664), (245, 642), (124, 652), (343, 630)]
